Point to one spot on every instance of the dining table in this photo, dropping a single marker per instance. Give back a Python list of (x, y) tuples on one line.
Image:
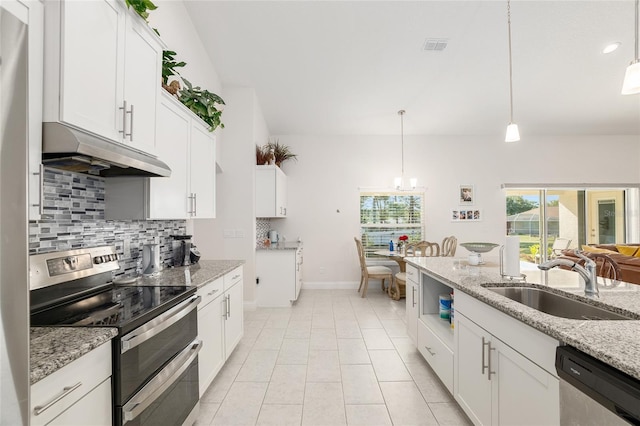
[(393, 255)]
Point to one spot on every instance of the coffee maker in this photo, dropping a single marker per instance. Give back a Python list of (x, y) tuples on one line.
[(181, 247)]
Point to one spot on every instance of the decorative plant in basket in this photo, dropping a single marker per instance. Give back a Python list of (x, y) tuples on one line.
[(169, 66), (281, 152), (203, 103)]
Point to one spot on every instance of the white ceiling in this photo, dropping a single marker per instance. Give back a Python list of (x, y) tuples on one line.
[(338, 67)]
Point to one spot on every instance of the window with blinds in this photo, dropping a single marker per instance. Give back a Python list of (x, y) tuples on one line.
[(385, 216)]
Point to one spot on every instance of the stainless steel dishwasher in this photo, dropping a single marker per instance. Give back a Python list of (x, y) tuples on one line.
[(594, 393)]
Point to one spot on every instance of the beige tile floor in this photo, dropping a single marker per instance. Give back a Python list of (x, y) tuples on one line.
[(333, 358)]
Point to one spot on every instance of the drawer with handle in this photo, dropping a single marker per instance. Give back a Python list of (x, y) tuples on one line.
[(62, 389), (210, 291), (437, 354), (232, 277)]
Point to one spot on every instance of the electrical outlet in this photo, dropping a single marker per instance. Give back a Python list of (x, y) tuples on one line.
[(239, 233), (229, 233), (322, 270)]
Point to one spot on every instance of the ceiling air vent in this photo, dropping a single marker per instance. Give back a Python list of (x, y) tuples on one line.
[(435, 44)]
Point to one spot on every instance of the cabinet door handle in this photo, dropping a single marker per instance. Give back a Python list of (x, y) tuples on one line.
[(488, 358), (489, 372), (191, 198), (124, 119), (429, 350), (130, 134), (484, 367), (195, 204), (40, 204), (39, 409), (211, 293), (228, 305), (413, 296)]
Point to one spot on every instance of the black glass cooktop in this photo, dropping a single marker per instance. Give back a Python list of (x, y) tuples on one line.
[(123, 307)]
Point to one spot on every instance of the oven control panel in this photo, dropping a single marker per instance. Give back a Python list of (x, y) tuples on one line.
[(53, 268)]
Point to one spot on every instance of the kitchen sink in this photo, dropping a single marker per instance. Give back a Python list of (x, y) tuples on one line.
[(556, 304)]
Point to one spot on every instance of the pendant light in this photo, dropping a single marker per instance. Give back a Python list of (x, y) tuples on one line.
[(631, 84), (398, 182), (513, 135)]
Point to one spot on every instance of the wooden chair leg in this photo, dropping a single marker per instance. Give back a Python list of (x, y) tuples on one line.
[(382, 283), (364, 289), (361, 281), (396, 293)]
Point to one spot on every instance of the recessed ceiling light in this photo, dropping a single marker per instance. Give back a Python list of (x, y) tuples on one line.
[(611, 47)]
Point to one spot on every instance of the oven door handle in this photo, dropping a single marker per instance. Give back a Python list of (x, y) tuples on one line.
[(158, 324), (160, 382)]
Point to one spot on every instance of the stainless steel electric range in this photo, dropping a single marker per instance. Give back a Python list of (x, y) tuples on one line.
[(155, 355)]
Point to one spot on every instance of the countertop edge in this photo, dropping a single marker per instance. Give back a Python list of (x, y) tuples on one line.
[(55, 347)]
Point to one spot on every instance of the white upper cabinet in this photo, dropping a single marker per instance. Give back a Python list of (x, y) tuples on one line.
[(189, 149), (103, 66), (202, 168), (168, 196), (271, 192)]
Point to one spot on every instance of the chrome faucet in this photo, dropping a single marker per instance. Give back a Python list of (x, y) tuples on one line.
[(587, 272)]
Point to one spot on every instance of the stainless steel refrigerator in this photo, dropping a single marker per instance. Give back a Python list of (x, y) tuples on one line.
[(14, 269)]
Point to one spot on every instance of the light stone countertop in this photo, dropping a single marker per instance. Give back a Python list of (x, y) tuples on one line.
[(201, 273), (616, 343), (280, 246), (54, 347)]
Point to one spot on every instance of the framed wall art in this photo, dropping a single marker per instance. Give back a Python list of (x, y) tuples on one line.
[(466, 195), (466, 215)]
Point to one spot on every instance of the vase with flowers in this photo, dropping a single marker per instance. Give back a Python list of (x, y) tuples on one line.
[(402, 244)]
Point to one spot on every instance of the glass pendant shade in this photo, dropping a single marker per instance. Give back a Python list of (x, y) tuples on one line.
[(397, 182), (413, 182), (513, 135), (631, 84)]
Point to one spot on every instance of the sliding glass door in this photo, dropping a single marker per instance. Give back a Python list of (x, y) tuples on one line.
[(549, 220)]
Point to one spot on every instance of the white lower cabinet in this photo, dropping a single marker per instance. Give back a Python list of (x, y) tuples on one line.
[(220, 324), (280, 277), (436, 353), (77, 394), (412, 302), (494, 383), (211, 332)]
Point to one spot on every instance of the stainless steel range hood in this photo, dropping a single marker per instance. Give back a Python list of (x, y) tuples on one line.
[(67, 148)]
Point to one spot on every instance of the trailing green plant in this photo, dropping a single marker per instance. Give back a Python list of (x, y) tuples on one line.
[(281, 152), (203, 104), (169, 65), (142, 7)]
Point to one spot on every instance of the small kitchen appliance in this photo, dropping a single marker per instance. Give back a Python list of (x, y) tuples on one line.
[(181, 247), (194, 255), (273, 236), (151, 259)]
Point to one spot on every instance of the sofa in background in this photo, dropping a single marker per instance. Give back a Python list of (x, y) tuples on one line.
[(629, 264)]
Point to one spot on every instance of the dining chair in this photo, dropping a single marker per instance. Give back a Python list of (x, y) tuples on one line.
[(421, 249), (371, 272), (606, 268), (449, 245), (424, 249)]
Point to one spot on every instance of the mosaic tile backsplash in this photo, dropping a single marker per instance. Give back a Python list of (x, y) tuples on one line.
[(263, 225), (74, 218)]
